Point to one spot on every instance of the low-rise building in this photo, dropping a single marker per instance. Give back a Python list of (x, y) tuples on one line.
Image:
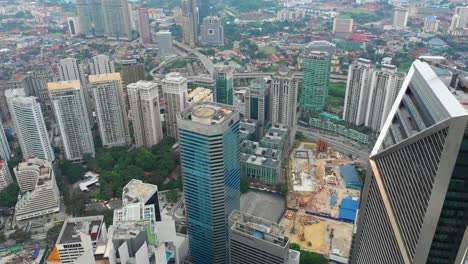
[(137, 191)]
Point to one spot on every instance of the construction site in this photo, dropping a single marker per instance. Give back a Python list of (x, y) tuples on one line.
[(323, 199)]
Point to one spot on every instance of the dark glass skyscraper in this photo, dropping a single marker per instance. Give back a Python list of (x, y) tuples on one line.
[(210, 157)]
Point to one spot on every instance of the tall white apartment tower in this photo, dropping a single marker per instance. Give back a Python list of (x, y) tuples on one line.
[(174, 88), (70, 113), (357, 91), (284, 89), (385, 85), (110, 109), (5, 176), (414, 207), (400, 17), (31, 130), (5, 150), (145, 111), (101, 64)]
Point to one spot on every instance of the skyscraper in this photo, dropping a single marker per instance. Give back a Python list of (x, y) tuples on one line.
[(5, 176), (357, 91), (5, 150), (284, 89), (164, 43), (144, 24), (116, 16), (414, 206), (384, 87), (204, 9), (314, 89), (400, 17), (256, 240), (145, 112), (459, 22), (30, 127), (37, 87), (174, 88), (343, 27), (101, 64), (224, 92), (257, 101), (212, 32), (190, 22), (90, 17), (70, 113), (132, 71), (111, 110), (209, 150)]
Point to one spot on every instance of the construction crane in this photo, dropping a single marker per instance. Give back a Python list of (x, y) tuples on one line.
[(303, 203)]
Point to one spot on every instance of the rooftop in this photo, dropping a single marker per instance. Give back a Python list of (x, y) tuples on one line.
[(247, 126), (276, 133), (174, 77), (259, 160), (67, 85), (200, 94), (142, 85), (137, 191), (259, 84), (115, 76), (72, 227), (207, 113), (253, 147), (258, 228), (44, 166)]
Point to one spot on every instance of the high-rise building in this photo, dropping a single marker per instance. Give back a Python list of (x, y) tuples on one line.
[(320, 45), (212, 32), (384, 87), (204, 8), (144, 24), (17, 81), (44, 198), (5, 176), (256, 240), (284, 89), (174, 88), (136, 192), (37, 87), (224, 92), (314, 89), (400, 17), (257, 101), (111, 110), (343, 27), (164, 43), (132, 71), (190, 22), (116, 16), (414, 206), (145, 112), (28, 172), (73, 25), (5, 150), (431, 24), (70, 113), (459, 23), (31, 130), (357, 91), (90, 17), (209, 150), (101, 64)]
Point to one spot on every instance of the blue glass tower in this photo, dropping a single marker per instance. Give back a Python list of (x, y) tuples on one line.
[(210, 157)]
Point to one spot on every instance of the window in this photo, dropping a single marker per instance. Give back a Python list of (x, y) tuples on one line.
[(210, 31)]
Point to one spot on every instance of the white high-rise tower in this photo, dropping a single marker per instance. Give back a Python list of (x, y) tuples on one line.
[(174, 88)]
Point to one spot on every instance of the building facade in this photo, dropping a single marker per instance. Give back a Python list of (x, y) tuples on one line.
[(101, 64), (31, 130), (212, 32), (400, 17), (116, 16), (132, 71), (209, 147), (284, 89), (174, 88), (145, 112), (343, 27), (5, 150), (357, 91), (111, 110), (459, 22), (413, 210), (431, 24), (316, 81), (5, 176), (71, 115), (144, 24), (36, 82), (256, 240), (190, 22), (257, 101), (224, 93), (164, 43), (384, 87), (90, 17), (44, 198)]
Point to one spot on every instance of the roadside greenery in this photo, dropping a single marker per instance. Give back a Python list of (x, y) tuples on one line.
[(308, 257), (9, 195)]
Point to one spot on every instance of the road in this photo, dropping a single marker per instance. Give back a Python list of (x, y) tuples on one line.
[(343, 145)]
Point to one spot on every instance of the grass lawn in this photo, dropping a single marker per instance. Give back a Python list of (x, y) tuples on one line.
[(268, 50), (56, 35), (336, 94)]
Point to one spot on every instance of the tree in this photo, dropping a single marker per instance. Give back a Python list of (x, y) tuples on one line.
[(72, 172), (244, 185), (300, 136), (295, 246), (282, 188), (308, 257), (20, 236), (172, 196), (9, 195)]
